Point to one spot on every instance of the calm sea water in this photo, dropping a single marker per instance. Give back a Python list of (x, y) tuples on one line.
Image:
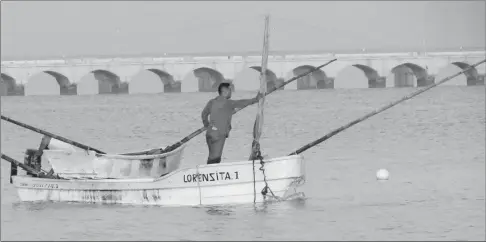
[(433, 146)]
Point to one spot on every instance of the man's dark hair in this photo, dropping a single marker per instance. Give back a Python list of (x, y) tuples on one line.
[(223, 85)]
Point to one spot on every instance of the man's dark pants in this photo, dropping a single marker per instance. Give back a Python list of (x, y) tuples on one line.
[(215, 141)]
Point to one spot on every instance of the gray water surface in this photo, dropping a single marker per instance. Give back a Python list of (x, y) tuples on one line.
[(433, 146)]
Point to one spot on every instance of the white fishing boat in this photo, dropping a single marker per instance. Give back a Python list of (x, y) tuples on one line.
[(69, 162), (225, 183), (90, 175)]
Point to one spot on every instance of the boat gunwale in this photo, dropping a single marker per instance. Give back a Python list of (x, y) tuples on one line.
[(147, 189)]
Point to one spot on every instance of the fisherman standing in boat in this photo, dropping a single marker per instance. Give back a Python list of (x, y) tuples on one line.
[(216, 117)]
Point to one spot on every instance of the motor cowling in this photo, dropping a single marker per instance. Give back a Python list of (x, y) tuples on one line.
[(32, 160)]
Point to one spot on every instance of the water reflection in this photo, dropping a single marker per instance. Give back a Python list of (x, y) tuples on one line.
[(224, 211), (258, 208), (30, 206)]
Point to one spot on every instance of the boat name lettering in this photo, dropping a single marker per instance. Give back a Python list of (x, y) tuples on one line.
[(210, 177), (55, 186)]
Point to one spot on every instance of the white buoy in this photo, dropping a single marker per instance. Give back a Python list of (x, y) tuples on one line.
[(382, 174)]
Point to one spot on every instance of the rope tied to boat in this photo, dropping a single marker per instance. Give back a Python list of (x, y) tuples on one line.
[(266, 189)]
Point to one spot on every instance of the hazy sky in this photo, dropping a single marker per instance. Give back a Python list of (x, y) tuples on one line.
[(33, 29)]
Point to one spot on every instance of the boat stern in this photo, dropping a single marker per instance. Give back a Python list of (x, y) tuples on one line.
[(31, 189)]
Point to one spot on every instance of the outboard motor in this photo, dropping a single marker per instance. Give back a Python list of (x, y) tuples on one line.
[(32, 160)]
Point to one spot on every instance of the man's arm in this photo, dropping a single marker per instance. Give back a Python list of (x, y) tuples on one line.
[(238, 104), (205, 113)]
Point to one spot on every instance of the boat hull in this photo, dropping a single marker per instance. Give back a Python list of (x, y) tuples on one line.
[(226, 183)]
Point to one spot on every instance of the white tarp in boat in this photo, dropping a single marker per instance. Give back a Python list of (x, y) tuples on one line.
[(69, 163)]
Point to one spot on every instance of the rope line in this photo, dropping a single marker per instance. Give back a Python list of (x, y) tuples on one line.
[(266, 189), (254, 183)]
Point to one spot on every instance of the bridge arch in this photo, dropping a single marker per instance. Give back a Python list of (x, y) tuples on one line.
[(469, 78), (249, 79), (49, 83), (358, 76), (153, 81), (99, 82), (9, 86), (408, 75), (315, 80), (202, 79)]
